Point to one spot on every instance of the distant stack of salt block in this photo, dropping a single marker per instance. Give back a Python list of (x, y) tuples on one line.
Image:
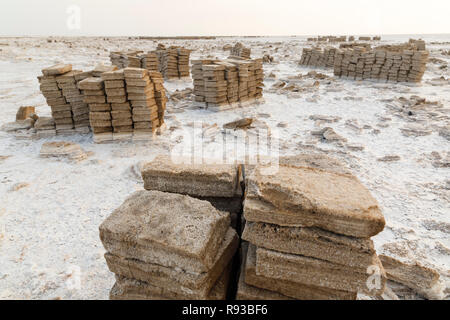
[(99, 109), (168, 246), (160, 95), (61, 108), (219, 184), (317, 57), (418, 44), (198, 81), (134, 59), (125, 104), (121, 117), (150, 61), (309, 226), (313, 57), (68, 83), (365, 45), (141, 94), (118, 59), (224, 84), (173, 62), (240, 51), (183, 62), (403, 63)]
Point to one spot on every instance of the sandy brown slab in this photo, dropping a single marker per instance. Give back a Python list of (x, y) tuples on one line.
[(197, 286), (311, 197), (290, 288), (421, 279), (185, 177), (131, 289), (248, 292), (168, 229), (319, 273), (313, 242)]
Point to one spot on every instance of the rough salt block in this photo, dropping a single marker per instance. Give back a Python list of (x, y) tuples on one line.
[(92, 83), (131, 289), (248, 292), (169, 229), (313, 242), (423, 280), (192, 285), (57, 69), (181, 175), (311, 197), (290, 288)]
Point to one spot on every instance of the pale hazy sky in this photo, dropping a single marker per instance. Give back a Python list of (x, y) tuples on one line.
[(224, 17)]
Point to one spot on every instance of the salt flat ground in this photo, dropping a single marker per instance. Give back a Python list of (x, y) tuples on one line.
[(49, 243)]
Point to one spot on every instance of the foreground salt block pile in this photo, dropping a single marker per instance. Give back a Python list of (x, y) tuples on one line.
[(168, 246), (309, 230), (219, 184)]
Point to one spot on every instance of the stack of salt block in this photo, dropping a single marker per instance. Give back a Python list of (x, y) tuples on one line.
[(309, 228), (391, 63), (232, 78), (240, 51), (173, 61), (99, 109), (61, 109), (312, 57), (141, 94), (45, 127), (219, 184), (132, 59), (121, 117), (199, 82), (316, 57), (216, 82), (418, 44), (168, 246), (215, 85), (150, 61), (169, 63), (329, 54), (118, 59), (183, 62), (160, 95), (68, 83)]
